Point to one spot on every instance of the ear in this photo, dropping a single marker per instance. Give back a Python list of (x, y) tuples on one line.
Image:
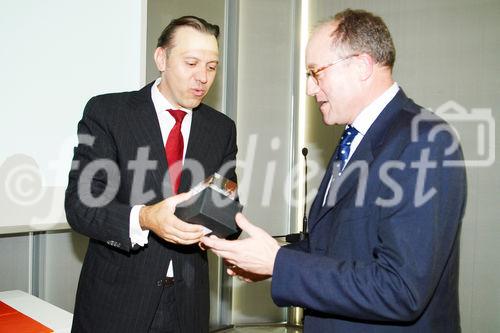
[(365, 66), (160, 57)]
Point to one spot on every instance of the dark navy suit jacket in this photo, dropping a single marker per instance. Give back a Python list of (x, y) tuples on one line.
[(119, 288), (383, 254)]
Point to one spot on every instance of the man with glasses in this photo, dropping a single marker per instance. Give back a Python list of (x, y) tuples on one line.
[(144, 271), (383, 248)]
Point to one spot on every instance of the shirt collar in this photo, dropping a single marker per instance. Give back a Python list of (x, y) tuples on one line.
[(160, 102), (368, 115)]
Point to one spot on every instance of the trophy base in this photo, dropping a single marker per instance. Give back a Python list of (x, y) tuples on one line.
[(257, 328)]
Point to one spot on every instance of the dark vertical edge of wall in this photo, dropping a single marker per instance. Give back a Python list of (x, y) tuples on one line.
[(38, 264), (230, 61), (230, 100)]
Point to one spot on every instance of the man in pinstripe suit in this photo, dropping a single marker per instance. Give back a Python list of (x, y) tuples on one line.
[(143, 271)]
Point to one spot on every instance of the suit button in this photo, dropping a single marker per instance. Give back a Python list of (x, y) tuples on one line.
[(169, 281)]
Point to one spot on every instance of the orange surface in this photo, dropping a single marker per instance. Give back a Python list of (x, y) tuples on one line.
[(14, 321)]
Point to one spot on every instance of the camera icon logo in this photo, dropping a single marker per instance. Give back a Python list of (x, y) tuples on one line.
[(474, 130)]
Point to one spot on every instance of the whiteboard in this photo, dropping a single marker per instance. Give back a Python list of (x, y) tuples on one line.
[(54, 56)]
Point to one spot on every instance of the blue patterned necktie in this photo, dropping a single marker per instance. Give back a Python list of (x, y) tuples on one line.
[(345, 146), (343, 150)]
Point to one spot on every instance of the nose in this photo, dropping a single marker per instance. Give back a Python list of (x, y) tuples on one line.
[(312, 87), (202, 75)]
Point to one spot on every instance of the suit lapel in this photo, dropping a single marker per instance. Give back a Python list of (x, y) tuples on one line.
[(143, 117), (318, 200), (148, 133), (342, 186), (364, 154), (197, 146)]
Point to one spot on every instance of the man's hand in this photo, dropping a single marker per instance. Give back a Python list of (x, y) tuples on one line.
[(243, 275), (255, 254), (160, 219)]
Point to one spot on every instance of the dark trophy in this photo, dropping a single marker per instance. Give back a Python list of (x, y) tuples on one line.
[(213, 206)]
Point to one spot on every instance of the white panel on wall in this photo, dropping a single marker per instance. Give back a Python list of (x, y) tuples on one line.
[(265, 124), (55, 55), (14, 263), (265, 115)]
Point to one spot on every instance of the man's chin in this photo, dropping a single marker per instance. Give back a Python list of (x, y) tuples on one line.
[(191, 103), (329, 119)]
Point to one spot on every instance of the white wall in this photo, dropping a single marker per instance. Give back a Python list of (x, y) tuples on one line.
[(265, 126), (55, 55)]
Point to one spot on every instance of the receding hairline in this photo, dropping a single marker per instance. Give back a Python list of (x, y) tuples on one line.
[(359, 31), (330, 25), (187, 27), (330, 22), (167, 36), (173, 42)]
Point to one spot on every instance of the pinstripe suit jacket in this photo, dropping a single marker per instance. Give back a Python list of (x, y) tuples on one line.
[(118, 289)]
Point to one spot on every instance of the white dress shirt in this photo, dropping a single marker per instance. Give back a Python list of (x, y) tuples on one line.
[(167, 122), (364, 121)]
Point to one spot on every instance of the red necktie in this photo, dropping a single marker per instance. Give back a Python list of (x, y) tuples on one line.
[(174, 150)]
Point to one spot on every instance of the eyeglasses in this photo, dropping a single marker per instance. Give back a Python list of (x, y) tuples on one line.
[(313, 73)]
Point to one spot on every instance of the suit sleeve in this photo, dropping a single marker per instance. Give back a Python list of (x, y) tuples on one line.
[(90, 202), (228, 166), (415, 240)]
